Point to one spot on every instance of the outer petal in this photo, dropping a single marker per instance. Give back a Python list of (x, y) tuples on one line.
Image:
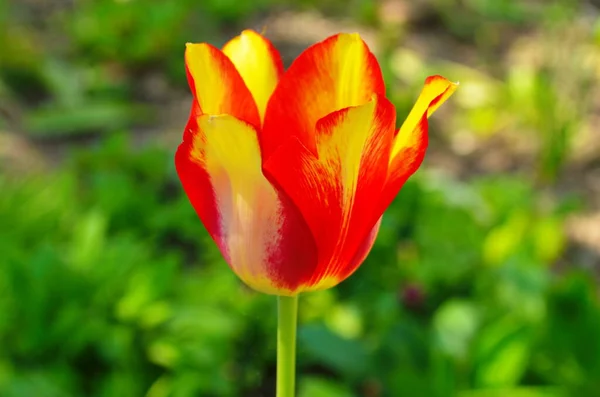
[(217, 85), (259, 232), (259, 64), (410, 143), (337, 73), (334, 189)]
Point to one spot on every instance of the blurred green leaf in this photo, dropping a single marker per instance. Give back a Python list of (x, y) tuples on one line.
[(506, 239), (323, 346), (516, 392), (85, 118), (503, 351), (317, 387), (455, 325)]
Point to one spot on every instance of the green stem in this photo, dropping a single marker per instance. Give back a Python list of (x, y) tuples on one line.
[(287, 314)]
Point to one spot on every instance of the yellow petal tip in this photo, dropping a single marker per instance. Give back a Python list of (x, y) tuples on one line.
[(355, 36)]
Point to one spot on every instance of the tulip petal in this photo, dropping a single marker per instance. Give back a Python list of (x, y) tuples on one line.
[(411, 141), (217, 85), (259, 64), (334, 74), (259, 232), (434, 93), (335, 189)]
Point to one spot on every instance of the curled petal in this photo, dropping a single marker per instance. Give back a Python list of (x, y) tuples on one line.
[(410, 143), (337, 73), (335, 188), (259, 64), (259, 232), (434, 93), (216, 84)]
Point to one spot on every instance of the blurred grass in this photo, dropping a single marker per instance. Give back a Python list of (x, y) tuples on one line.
[(109, 286)]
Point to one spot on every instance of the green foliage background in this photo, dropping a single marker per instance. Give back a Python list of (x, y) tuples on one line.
[(109, 285)]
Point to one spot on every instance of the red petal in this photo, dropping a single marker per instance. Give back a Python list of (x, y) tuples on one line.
[(410, 143), (337, 73), (217, 85), (335, 191), (258, 230)]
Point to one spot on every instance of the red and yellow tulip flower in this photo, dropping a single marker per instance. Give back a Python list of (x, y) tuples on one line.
[(290, 172)]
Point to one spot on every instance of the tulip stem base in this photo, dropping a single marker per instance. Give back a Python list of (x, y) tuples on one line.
[(287, 317)]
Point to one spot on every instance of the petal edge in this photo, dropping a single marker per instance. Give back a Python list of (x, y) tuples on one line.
[(259, 232), (259, 64), (217, 85), (334, 74)]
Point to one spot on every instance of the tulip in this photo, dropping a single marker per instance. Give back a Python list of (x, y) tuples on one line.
[(290, 172)]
